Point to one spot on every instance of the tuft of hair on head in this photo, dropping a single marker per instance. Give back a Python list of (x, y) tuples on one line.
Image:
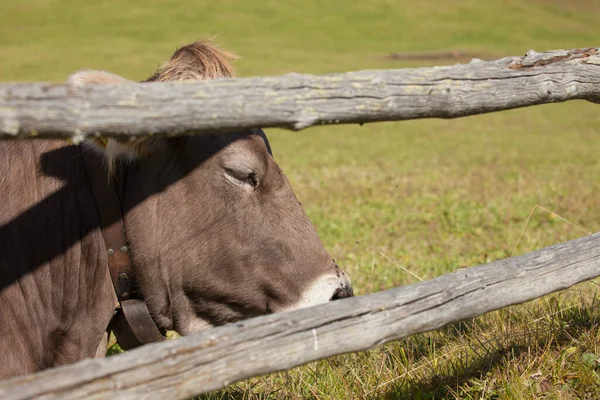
[(200, 60)]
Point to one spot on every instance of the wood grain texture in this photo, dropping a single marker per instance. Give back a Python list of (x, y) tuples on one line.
[(297, 101), (215, 358)]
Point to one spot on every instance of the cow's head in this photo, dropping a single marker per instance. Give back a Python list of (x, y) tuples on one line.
[(215, 230)]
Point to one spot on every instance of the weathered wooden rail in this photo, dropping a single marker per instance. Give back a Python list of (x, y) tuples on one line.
[(215, 358), (298, 101)]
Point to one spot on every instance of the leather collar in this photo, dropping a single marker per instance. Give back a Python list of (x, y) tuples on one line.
[(132, 323)]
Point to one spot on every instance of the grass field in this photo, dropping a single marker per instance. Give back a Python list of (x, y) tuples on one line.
[(431, 195)]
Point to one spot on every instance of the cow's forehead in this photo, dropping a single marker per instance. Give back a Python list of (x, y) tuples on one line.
[(247, 148)]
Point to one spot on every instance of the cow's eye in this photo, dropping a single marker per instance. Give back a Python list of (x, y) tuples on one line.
[(242, 178)]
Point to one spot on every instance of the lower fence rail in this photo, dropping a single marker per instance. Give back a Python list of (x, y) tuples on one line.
[(215, 358)]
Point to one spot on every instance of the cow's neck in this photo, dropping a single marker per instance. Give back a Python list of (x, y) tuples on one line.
[(55, 297)]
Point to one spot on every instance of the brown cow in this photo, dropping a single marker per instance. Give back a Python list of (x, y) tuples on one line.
[(214, 230)]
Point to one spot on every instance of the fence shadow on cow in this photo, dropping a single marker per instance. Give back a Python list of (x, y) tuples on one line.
[(35, 237)]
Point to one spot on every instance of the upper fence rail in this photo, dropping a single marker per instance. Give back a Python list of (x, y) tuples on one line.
[(296, 101)]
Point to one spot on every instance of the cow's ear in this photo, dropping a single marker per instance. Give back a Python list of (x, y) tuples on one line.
[(81, 78), (112, 149)]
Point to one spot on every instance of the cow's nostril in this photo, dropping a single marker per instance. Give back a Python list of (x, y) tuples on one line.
[(342, 293)]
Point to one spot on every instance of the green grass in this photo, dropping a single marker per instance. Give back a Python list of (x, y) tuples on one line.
[(431, 195)]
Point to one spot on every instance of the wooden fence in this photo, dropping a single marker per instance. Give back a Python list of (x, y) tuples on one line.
[(214, 358), (298, 101)]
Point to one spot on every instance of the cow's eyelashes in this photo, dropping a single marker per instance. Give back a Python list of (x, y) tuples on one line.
[(242, 177)]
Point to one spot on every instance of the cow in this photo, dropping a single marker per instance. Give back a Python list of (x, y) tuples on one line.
[(213, 231)]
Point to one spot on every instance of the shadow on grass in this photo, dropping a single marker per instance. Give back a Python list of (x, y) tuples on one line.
[(439, 386), (556, 326)]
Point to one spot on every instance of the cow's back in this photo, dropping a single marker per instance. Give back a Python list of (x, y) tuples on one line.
[(55, 295)]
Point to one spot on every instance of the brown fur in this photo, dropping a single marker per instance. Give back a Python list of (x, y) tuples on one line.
[(214, 229)]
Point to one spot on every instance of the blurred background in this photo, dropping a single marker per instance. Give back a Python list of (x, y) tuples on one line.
[(425, 196)]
